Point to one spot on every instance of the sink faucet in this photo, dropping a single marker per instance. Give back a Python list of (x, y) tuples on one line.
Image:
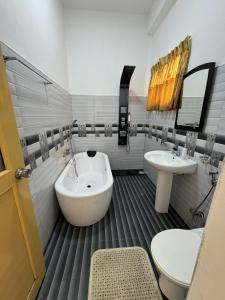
[(175, 150)]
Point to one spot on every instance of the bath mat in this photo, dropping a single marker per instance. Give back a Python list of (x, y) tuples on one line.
[(122, 274)]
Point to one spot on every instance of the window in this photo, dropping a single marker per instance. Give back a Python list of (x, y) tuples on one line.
[(166, 78)]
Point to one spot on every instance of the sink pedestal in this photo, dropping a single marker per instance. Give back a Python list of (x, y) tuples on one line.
[(163, 191), (167, 164)]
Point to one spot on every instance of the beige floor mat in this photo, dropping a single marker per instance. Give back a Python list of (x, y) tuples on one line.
[(122, 273)]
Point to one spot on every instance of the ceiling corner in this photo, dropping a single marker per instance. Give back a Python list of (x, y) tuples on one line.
[(158, 12)]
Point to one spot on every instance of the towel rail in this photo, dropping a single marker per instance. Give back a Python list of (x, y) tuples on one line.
[(9, 58)]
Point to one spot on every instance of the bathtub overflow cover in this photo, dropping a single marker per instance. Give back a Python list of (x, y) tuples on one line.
[(88, 186)]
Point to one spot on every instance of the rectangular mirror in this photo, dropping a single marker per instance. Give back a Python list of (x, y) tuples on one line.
[(194, 97)]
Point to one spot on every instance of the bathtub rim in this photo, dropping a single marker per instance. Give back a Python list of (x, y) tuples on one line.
[(60, 189)]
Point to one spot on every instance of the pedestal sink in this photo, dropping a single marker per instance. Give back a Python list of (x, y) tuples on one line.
[(167, 164)]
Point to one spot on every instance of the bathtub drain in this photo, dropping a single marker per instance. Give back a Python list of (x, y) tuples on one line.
[(88, 186)]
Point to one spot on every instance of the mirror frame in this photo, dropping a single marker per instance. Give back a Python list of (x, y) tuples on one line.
[(211, 67)]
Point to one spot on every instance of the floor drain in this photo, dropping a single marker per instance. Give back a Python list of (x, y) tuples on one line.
[(88, 186)]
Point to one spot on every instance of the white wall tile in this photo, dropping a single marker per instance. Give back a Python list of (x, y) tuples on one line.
[(104, 110), (118, 157), (37, 109)]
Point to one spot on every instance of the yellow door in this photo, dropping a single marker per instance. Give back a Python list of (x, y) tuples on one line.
[(21, 261)]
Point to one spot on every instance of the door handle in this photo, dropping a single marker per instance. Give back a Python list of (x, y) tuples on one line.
[(23, 173)]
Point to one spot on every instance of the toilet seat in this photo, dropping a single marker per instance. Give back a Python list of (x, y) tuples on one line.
[(175, 253)]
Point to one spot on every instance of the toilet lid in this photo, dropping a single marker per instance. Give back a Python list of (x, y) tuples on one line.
[(175, 253)]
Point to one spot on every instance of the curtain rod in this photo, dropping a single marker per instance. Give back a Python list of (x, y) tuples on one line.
[(8, 58)]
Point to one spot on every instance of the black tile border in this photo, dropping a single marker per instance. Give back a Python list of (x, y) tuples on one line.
[(220, 139), (100, 129), (198, 149)]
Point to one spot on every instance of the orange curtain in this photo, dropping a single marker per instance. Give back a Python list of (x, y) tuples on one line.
[(167, 76)]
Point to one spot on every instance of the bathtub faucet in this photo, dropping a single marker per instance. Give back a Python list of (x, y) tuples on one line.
[(72, 124), (71, 148), (75, 166), (70, 138)]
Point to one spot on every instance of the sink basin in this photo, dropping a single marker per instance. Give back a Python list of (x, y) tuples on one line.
[(166, 161), (167, 164)]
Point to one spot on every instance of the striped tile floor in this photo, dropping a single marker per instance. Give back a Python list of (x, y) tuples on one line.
[(130, 221)]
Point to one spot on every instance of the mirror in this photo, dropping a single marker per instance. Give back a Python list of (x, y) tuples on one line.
[(195, 93)]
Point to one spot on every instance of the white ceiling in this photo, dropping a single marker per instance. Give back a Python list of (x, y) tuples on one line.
[(124, 6)]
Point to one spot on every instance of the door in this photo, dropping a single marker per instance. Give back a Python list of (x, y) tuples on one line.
[(21, 261)]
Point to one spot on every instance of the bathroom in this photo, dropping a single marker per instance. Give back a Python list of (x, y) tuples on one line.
[(71, 72)]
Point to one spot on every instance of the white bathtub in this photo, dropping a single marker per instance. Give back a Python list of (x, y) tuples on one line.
[(85, 200)]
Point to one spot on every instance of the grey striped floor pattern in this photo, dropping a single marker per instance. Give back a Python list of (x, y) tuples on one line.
[(130, 221)]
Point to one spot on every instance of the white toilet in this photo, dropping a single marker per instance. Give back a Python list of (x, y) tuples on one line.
[(174, 252)]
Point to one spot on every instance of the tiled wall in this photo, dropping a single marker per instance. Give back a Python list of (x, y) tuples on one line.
[(216, 114), (189, 190), (104, 110), (38, 108)]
